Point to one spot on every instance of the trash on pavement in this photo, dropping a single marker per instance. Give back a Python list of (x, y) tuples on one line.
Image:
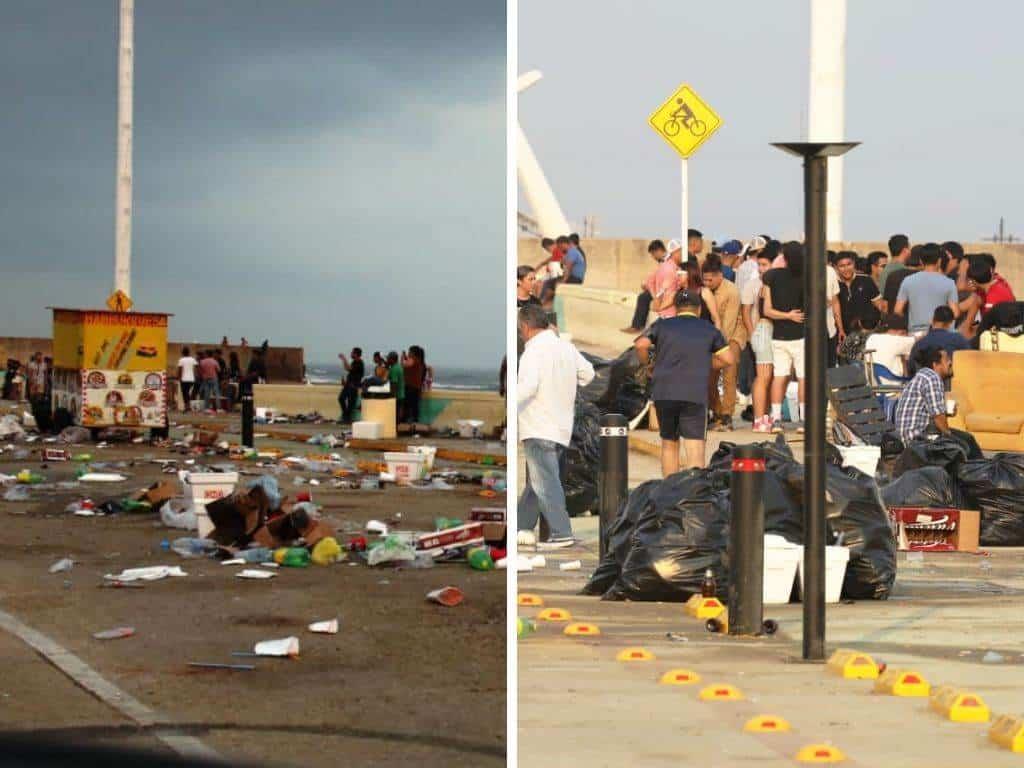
[(393, 549), (572, 565), (376, 526), (63, 565), (150, 573), (16, 493), (230, 667), (102, 477), (446, 596), (325, 627), (326, 551), (252, 573), (178, 513), (286, 646), (114, 634), (479, 559), (193, 547)]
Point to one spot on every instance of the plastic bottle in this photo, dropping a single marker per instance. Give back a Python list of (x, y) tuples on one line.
[(708, 588), (292, 557), (524, 627), (190, 547), (257, 555), (480, 559)]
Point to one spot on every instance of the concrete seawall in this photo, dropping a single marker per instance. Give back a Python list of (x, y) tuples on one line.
[(622, 264)]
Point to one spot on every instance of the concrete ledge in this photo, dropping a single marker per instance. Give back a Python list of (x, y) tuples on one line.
[(595, 316)]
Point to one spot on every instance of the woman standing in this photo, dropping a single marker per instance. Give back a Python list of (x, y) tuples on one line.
[(415, 366), (690, 276)]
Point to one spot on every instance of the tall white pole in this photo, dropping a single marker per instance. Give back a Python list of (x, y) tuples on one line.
[(123, 194), (539, 195), (685, 206), (826, 105)]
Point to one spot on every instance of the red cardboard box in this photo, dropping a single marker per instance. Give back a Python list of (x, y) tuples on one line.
[(922, 529), (467, 535)]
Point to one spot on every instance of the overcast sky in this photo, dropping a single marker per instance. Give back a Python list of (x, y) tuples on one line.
[(320, 173), (932, 92)]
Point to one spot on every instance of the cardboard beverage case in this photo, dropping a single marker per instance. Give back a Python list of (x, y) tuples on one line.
[(437, 542), (493, 520), (922, 529)]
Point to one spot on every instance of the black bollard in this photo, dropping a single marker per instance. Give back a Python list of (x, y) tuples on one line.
[(746, 541), (815, 155), (248, 416), (614, 474)]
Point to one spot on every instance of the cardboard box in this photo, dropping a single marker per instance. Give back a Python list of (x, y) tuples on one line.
[(467, 535), (158, 493), (922, 529), (488, 514)]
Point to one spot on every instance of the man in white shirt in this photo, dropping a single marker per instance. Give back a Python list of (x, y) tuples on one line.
[(550, 370), (186, 377), (891, 349)]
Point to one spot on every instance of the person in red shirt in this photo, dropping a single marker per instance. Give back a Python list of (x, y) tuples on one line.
[(991, 287)]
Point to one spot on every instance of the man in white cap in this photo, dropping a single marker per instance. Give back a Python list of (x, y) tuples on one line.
[(748, 261), (657, 251)]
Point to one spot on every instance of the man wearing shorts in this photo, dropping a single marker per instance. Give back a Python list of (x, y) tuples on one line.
[(688, 349), (784, 306)]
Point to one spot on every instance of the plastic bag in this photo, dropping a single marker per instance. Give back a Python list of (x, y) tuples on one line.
[(619, 385), (393, 549), (923, 487), (581, 460), (683, 532), (942, 452), (9, 427), (996, 487), (178, 513), (857, 514), (620, 538)]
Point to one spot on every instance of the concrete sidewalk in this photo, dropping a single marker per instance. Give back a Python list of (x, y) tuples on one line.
[(578, 706)]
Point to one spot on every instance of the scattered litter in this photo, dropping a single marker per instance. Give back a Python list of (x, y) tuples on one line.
[(572, 565), (392, 549), (677, 637), (62, 565), (538, 561), (114, 634), (212, 665), (325, 627), (479, 559), (234, 561), (992, 658), (82, 508), (191, 547), (151, 573), (269, 564), (102, 477), (16, 493), (376, 526), (326, 551), (446, 596), (286, 646), (178, 513), (252, 573), (121, 585)]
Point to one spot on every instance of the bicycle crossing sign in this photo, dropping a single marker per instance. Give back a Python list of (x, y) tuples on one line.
[(685, 121)]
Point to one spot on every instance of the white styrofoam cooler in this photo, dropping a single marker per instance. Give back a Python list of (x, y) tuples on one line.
[(469, 427), (781, 559), (366, 430), (204, 487), (406, 467), (836, 560)]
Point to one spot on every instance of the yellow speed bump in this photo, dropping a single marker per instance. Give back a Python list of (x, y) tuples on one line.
[(635, 654), (679, 677), (1008, 731), (554, 614), (704, 607), (959, 706), (902, 682), (534, 601), (820, 753), (721, 692), (853, 665), (579, 629), (766, 724)]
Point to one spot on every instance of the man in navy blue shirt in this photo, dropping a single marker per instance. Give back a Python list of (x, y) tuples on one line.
[(939, 335), (688, 348), (574, 263)]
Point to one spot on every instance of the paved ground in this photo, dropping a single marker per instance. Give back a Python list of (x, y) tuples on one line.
[(404, 680), (578, 706)]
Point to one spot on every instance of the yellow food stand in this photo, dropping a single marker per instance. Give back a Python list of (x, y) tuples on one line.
[(110, 368)]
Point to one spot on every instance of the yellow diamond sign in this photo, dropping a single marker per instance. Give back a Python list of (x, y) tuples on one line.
[(685, 121), (119, 301)]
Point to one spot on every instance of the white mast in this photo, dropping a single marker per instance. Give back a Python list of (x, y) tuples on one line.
[(123, 194), (550, 220), (827, 96)]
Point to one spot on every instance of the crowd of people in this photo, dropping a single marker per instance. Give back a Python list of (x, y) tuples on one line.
[(407, 377), (564, 262), (217, 381)]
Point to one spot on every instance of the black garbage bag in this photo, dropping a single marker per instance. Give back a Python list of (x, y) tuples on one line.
[(996, 487), (923, 487), (857, 518), (683, 532), (619, 385), (620, 538), (582, 459), (941, 451)]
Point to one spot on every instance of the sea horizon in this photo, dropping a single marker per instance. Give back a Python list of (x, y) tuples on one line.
[(470, 379)]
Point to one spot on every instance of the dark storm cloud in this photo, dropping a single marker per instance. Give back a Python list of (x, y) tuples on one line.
[(276, 143)]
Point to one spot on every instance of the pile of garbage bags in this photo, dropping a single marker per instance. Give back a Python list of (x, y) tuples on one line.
[(669, 532), (938, 472)]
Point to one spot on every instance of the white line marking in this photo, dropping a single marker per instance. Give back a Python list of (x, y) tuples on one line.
[(86, 677)]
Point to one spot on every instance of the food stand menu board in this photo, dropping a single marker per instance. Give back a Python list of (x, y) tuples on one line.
[(119, 341), (99, 398)]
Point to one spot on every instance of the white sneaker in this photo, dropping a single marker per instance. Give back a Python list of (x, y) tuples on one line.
[(526, 539)]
